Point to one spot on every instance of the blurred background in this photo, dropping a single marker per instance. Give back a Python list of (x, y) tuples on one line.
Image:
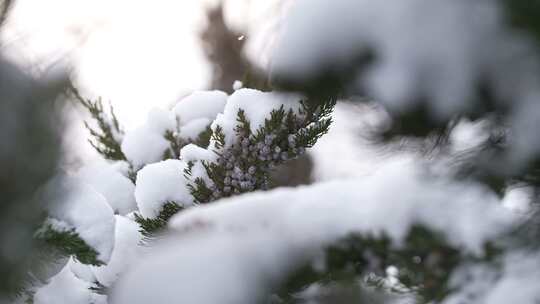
[(468, 111), (136, 55), (139, 56)]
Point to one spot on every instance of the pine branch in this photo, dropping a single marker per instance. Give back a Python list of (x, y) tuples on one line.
[(106, 138), (175, 142), (218, 137), (68, 242), (425, 263), (204, 137), (151, 226), (245, 165), (99, 288)]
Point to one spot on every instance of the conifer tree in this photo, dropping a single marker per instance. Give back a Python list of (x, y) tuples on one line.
[(410, 234)]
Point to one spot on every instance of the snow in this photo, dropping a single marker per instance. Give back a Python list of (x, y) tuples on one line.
[(517, 284), (520, 281), (196, 155), (441, 59), (126, 250), (80, 207), (236, 246), (121, 166), (160, 121), (257, 106), (438, 50), (200, 104), (518, 198), (335, 208), (193, 153), (81, 271), (146, 144), (237, 85), (346, 151), (468, 135), (159, 183), (192, 129), (115, 187), (66, 288), (141, 146), (203, 269)]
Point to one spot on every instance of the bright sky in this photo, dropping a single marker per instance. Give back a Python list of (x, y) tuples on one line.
[(140, 56), (137, 54)]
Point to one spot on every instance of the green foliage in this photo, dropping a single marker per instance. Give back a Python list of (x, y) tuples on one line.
[(175, 142), (99, 288), (524, 14), (425, 261), (106, 138), (219, 137), (203, 139), (241, 167), (151, 226), (68, 242), (244, 166)]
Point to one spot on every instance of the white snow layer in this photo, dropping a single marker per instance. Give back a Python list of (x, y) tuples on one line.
[(81, 271), (147, 144), (437, 49), (345, 151), (80, 207), (518, 284), (200, 104), (66, 288), (237, 85), (257, 106), (236, 246), (160, 183), (126, 249), (115, 187), (192, 129)]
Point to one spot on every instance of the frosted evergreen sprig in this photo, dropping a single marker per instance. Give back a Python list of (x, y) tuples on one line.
[(176, 143), (69, 243), (244, 166), (423, 265), (151, 226), (107, 137)]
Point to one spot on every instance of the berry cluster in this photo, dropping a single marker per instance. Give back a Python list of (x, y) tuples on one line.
[(245, 165)]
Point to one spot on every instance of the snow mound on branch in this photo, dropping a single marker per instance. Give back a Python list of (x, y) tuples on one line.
[(192, 129), (115, 187), (160, 183), (78, 206), (193, 153), (146, 144), (236, 246), (327, 211), (441, 60), (126, 250), (66, 288), (205, 269), (437, 49), (81, 271), (518, 284), (257, 106), (522, 274), (197, 155), (200, 104)]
